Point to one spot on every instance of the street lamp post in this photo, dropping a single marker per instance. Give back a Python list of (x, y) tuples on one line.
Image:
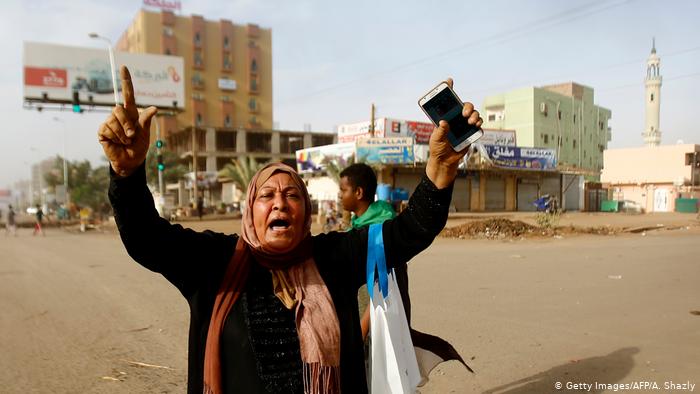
[(111, 63), (65, 164)]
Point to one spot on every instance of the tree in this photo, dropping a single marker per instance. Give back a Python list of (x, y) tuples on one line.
[(174, 169), (240, 171), (87, 186)]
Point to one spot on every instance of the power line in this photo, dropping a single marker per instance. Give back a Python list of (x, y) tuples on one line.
[(685, 76), (532, 27)]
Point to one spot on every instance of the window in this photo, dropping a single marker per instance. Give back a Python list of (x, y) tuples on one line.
[(252, 104), (559, 114), (226, 42), (222, 161), (574, 118), (253, 66), (167, 31), (546, 138), (584, 154), (652, 97), (227, 121), (291, 143), (227, 61), (167, 51), (198, 61), (574, 144), (253, 85), (197, 39), (226, 140), (319, 140), (492, 117), (197, 81), (199, 120), (259, 142)]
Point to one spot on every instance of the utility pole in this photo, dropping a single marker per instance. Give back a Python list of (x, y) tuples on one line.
[(371, 122), (194, 162)]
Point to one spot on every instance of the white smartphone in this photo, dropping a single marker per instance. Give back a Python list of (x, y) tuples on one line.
[(442, 103)]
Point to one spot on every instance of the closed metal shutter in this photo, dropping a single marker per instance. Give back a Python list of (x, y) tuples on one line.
[(460, 195), (527, 194), (495, 193), (573, 185), (551, 186)]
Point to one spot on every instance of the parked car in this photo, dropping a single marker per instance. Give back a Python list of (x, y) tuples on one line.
[(629, 206)]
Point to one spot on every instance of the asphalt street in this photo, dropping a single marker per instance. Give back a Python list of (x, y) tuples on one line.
[(79, 316)]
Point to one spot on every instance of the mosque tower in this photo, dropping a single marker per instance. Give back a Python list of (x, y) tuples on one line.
[(652, 83)]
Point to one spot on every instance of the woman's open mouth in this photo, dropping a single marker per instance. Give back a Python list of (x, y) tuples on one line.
[(279, 225)]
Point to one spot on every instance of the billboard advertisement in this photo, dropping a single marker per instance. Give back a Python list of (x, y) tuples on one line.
[(54, 73), (498, 137), (354, 131), (522, 158), (316, 158), (397, 150)]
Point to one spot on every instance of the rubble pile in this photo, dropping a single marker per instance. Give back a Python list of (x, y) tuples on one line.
[(500, 228), (491, 228)]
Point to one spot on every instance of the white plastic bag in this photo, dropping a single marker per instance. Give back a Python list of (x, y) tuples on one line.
[(394, 369)]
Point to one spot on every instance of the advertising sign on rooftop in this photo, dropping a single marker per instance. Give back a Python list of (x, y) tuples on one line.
[(397, 150), (55, 73), (522, 158), (317, 158)]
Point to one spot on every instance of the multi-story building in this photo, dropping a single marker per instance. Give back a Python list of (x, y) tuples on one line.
[(228, 67), (228, 85), (562, 117)]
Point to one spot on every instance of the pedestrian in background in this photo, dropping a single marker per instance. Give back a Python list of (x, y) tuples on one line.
[(200, 207), (358, 185), (10, 225), (39, 217)]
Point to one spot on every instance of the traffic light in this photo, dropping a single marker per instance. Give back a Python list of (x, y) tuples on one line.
[(159, 144), (76, 102), (161, 166)]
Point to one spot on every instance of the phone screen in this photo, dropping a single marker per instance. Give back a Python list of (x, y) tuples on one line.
[(445, 106)]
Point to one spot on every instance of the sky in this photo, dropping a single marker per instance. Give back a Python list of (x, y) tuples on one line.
[(332, 59)]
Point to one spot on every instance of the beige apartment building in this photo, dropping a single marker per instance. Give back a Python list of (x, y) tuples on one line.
[(228, 88), (228, 68), (653, 177)]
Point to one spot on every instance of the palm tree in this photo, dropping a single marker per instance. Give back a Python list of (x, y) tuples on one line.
[(336, 165), (240, 171)]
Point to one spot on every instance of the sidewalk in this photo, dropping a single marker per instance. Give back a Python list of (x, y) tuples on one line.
[(586, 219)]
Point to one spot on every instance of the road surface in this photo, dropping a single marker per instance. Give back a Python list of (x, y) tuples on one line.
[(79, 316)]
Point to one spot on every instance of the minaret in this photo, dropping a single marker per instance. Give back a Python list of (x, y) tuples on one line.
[(652, 83)]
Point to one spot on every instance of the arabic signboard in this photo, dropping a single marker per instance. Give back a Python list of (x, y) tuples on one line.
[(316, 158), (386, 127), (166, 5), (522, 158), (397, 150), (52, 73), (420, 131), (354, 131), (498, 137)]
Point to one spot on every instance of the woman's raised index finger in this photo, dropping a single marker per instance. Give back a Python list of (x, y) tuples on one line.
[(127, 88)]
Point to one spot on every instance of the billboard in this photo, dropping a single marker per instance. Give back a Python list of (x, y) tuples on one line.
[(398, 150), (354, 131), (498, 137), (522, 158), (316, 158), (54, 73)]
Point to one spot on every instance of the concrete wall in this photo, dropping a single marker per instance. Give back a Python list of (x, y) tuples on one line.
[(662, 164)]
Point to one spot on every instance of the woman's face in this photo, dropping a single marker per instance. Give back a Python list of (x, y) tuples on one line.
[(279, 213)]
